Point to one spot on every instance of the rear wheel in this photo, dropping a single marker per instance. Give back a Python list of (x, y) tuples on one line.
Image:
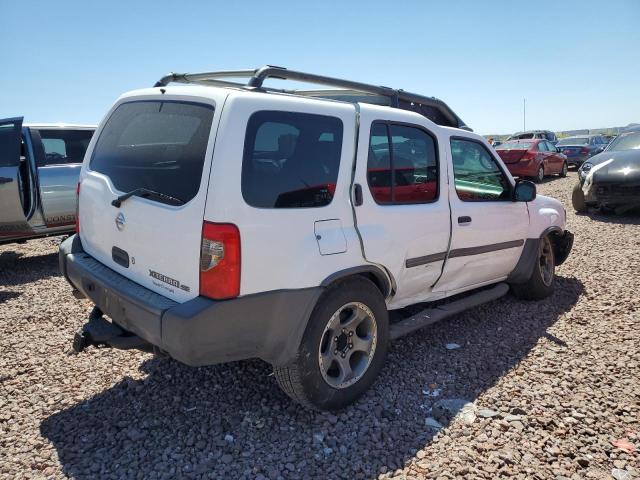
[(565, 170), (539, 175), (577, 199), (541, 283), (343, 348)]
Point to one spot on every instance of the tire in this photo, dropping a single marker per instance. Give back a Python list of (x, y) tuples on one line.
[(540, 175), (577, 199), (565, 170), (541, 283), (316, 377)]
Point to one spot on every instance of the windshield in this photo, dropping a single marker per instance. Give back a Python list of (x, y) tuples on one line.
[(156, 145), (515, 146), (522, 135), (628, 141), (574, 141)]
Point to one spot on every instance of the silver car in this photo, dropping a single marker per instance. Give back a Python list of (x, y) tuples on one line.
[(39, 169)]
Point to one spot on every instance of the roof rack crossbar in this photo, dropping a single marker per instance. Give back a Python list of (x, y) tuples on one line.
[(258, 76)]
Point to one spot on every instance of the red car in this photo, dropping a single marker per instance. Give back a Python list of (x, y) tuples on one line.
[(533, 158)]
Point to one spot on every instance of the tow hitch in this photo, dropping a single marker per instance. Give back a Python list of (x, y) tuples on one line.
[(102, 333)]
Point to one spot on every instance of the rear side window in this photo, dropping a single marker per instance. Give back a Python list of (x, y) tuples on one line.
[(64, 146), (402, 166), (542, 146), (157, 145), (477, 174), (291, 160)]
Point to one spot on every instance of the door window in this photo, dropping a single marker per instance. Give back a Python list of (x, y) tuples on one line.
[(477, 174), (542, 146), (291, 160), (402, 166), (64, 146)]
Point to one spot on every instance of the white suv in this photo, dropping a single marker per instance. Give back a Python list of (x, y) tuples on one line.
[(221, 221)]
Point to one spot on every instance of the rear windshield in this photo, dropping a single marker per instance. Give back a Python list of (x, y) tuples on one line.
[(574, 141), (523, 135), (157, 145), (514, 146)]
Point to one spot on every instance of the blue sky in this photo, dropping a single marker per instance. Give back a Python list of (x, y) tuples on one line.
[(576, 62)]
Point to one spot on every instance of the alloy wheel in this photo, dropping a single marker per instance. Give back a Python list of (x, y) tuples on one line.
[(348, 345), (546, 261)]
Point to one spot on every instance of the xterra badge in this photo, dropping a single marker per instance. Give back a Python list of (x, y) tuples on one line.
[(168, 280)]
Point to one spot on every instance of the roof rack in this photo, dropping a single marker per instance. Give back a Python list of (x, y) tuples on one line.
[(430, 107)]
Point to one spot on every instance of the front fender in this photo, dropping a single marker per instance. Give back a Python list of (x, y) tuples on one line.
[(545, 214)]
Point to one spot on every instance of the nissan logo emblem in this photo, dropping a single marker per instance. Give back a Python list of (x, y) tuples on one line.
[(120, 221)]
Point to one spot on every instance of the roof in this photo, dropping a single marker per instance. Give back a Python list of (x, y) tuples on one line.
[(62, 126), (343, 90)]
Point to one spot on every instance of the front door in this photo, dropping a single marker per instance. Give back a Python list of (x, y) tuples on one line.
[(489, 229), (404, 217), (14, 181), (59, 155)]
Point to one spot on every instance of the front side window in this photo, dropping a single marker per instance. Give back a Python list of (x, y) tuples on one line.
[(477, 174), (291, 160), (64, 146), (402, 166), (542, 146)]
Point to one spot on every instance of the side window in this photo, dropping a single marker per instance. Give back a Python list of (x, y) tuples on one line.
[(291, 160), (542, 146), (64, 146), (402, 166), (477, 175)]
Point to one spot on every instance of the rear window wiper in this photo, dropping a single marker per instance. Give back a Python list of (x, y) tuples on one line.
[(146, 193)]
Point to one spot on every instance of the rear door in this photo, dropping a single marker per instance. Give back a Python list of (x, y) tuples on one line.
[(162, 144), (59, 154), (404, 219), (489, 229), (14, 180)]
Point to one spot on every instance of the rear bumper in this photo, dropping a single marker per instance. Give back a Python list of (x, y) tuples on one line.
[(523, 169), (201, 331)]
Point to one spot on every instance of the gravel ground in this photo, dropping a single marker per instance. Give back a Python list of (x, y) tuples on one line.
[(554, 385)]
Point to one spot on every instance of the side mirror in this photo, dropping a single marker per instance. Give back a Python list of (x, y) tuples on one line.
[(558, 149), (525, 191)]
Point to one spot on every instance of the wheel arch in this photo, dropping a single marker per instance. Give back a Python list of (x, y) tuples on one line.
[(380, 278)]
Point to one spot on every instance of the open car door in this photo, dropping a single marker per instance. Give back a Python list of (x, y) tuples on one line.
[(14, 181)]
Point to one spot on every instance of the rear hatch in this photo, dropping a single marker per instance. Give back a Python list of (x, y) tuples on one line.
[(160, 149), (513, 152)]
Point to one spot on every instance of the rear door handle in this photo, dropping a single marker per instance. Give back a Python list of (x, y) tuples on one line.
[(5, 180), (464, 220), (357, 195)]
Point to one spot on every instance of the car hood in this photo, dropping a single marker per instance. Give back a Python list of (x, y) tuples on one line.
[(617, 166)]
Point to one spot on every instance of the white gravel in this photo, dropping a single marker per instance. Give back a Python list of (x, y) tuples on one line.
[(553, 385)]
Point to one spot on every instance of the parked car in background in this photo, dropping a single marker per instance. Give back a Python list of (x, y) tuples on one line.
[(535, 135), (39, 169), (580, 147), (277, 243), (611, 179), (533, 158)]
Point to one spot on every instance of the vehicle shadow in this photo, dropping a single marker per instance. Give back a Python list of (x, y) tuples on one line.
[(16, 269), (630, 217), (231, 421)]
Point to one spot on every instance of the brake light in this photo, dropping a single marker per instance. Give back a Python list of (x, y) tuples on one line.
[(584, 150), (220, 261), (78, 208)]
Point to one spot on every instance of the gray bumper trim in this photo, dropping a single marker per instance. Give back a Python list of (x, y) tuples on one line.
[(201, 331)]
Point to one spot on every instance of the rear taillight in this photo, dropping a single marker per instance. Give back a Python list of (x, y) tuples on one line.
[(78, 208), (220, 261), (584, 150)]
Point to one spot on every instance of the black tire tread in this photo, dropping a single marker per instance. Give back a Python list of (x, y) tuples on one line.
[(577, 199), (289, 377), (534, 288)]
